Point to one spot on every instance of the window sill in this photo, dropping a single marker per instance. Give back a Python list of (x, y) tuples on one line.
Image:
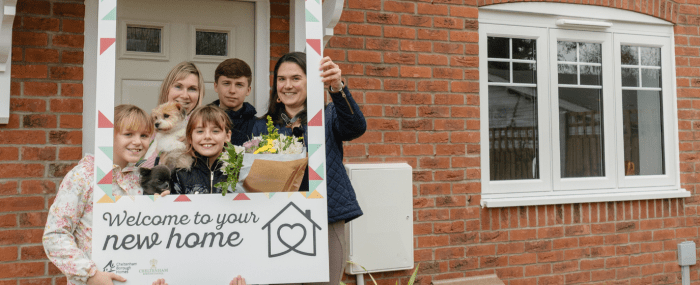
[(566, 197)]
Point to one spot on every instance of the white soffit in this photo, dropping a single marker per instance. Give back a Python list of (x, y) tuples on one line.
[(7, 17), (575, 11)]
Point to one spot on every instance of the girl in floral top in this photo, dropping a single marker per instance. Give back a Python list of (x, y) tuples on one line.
[(68, 233)]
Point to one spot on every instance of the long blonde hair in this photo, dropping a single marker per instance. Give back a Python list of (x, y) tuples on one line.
[(179, 72)]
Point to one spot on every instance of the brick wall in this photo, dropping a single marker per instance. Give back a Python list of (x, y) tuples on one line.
[(42, 140), (413, 67)]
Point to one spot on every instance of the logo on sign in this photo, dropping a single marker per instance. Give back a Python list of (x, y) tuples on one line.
[(154, 270), (291, 230)]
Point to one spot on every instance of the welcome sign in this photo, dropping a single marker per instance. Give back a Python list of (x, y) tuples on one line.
[(208, 239)]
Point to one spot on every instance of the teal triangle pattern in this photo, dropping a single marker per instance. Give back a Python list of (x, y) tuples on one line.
[(310, 17), (108, 150), (100, 173), (320, 170), (313, 184), (313, 148), (107, 188), (111, 16), (318, 1), (153, 197)]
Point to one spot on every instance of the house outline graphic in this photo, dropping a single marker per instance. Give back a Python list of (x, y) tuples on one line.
[(307, 215)]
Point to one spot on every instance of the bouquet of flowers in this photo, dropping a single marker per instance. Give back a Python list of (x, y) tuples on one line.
[(268, 163)]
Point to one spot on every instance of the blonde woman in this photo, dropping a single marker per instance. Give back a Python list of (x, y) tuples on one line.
[(185, 85)]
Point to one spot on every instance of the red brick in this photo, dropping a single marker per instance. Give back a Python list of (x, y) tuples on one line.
[(67, 73), (27, 203), (38, 153), (365, 30), (8, 253), (399, 84), (436, 35), (400, 137), (39, 121), (71, 121), (15, 270), (60, 169), (382, 124), (433, 86), (381, 44), (38, 187), (365, 4), (277, 24), (401, 58), (432, 9), (32, 252), (364, 83), (536, 270), (346, 42), (71, 90), (40, 88), (462, 11), (8, 187), (29, 71), (22, 137), (469, 61), (76, 26), (9, 153), (420, 21), (7, 221), (432, 241), (69, 10), (399, 32), (66, 105), (29, 39), (449, 23), (394, 6), (45, 24), (382, 18), (418, 150), (384, 150), (75, 57), (416, 71), (408, 45), (364, 56), (34, 7), (65, 137)]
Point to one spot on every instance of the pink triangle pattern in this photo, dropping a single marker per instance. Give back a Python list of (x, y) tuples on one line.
[(317, 121), (107, 179), (315, 44), (241, 197), (313, 175), (182, 198), (105, 43), (103, 122)]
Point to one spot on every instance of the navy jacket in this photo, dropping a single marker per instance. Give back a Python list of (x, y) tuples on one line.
[(200, 179), (342, 124), (243, 121)]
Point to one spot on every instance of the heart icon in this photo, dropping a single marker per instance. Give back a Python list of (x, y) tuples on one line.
[(292, 235)]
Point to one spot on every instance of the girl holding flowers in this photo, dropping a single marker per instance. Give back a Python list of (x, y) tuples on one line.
[(208, 129), (68, 234)]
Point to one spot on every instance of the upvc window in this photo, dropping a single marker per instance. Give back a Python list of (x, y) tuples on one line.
[(576, 110)]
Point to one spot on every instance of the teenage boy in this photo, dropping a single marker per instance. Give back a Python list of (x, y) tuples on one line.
[(232, 80)]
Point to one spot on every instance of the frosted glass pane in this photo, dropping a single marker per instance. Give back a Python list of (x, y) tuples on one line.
[(642, 126), (212, 43), (141, 39)]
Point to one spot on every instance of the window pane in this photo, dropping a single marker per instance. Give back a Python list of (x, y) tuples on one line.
[(581, 132), (212, 43), (524, 49), (499, 71), (524, 73), (566, 51), (143, 39), (498, 47), (590, 52), (513, 137), (651, 77), (590, 75), (567, 74), (630, 77), (650, 56), (629, 55), (643, 131)]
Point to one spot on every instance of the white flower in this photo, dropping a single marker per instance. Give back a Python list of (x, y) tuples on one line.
[(239, 149)]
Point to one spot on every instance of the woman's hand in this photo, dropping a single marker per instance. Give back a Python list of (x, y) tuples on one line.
[(165, 193), (159, 282), (238, 280), (330, 74), (104, 278)]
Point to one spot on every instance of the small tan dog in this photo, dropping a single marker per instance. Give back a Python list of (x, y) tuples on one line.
[(170, 126)]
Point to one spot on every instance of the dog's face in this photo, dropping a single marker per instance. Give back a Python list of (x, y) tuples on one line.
[(155, 180), (168, 115)]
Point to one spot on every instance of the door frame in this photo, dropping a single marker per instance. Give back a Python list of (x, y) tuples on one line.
[(261, 76)]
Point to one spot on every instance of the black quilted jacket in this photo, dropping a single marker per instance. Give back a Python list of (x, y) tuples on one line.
[(199, 179), (342, 124), (243, 121)]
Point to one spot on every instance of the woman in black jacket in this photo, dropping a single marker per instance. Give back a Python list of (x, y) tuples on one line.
[(343, 122)]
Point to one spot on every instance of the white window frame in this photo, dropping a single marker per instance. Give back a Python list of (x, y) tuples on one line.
[(231, 49), (610, 27), (163, 55)]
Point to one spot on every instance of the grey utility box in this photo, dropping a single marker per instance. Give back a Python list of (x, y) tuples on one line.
[(686, 253), (382, 238)]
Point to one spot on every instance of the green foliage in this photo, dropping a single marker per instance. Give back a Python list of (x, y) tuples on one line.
[(232, 168), (272, 132), (410, 281)]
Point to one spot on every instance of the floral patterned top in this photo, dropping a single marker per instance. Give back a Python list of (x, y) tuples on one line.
[(68, 233)]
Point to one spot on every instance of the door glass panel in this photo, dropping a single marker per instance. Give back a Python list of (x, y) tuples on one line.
[(642, 113), (142, 39), (513, 135), (581, 137), (212, 43)]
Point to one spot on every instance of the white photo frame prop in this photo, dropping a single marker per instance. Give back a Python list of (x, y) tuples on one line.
[(267, 238)]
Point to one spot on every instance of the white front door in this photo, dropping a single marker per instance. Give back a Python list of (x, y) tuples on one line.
[(155, 35)]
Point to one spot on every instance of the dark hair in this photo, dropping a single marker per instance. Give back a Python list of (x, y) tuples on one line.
[(274, 109), (233, 68)]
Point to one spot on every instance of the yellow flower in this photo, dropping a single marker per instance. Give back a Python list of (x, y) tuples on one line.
[(266, 148)]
